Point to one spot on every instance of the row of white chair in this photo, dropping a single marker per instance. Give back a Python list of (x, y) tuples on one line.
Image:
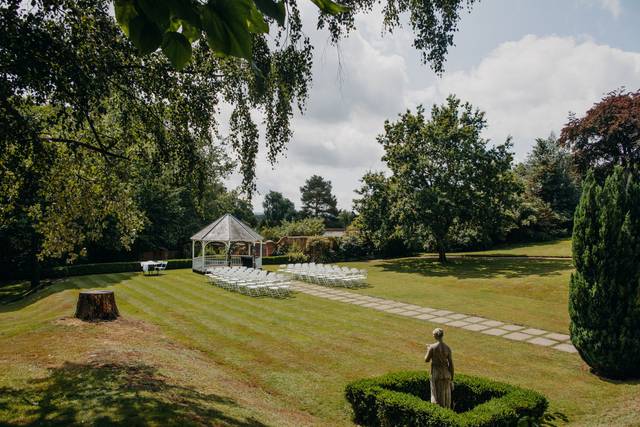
[(326, 275), (250, 281)]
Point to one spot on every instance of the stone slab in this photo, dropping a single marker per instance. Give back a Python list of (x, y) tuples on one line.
[(425, 316), (534, 331), (558, 337), (476, 327), (568, 348), (494, 331), (512, 328), (517, 336), (440, 320), (403, 306), (395, 310), (492, 323), (395, 304), (458, 323), (441, 312), (409, 313), (457, 316), (542, 341), (426, 309), (475, 319)]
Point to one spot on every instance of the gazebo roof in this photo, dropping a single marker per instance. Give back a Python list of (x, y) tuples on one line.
[(227, 228)]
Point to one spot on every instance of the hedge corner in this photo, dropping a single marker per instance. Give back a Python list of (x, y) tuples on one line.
[(402, 398)]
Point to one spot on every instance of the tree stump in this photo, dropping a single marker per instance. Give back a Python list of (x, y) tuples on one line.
[(97, 305)]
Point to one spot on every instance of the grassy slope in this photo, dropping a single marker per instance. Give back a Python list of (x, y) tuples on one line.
[(525, 291), (554, 248), (200, 355)]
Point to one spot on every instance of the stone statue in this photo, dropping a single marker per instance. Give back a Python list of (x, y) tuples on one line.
[(439, 354)]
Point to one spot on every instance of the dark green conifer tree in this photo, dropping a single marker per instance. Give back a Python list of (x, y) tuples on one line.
[(604, 293)]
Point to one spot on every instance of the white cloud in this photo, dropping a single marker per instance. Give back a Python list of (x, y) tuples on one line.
[(612, 6), (527, 88)]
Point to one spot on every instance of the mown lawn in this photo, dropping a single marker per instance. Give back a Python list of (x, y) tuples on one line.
[(187, 353), (553, 248), (525, 291)]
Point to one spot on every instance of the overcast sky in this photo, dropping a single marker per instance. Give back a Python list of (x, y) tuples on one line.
[(527, 63)]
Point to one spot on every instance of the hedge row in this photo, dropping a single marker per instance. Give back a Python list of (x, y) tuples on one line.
[(403, 399), (133, 266), (292, 257), (110, 267)]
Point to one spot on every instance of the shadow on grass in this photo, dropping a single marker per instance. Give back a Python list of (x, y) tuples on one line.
[(478, 268), (16, 297), (109, 395), (528, 245)]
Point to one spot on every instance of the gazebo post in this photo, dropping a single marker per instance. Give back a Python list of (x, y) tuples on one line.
[(193, 252), (203, 245)]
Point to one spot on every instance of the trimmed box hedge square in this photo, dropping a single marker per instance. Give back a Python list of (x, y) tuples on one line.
[(403, 399)]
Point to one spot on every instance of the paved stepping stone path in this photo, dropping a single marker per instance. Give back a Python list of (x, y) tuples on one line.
[(534, 336)]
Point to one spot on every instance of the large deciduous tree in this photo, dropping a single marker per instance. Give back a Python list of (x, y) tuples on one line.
[(604, 292), (230, 27), (608, 135), (318, 200), (445, 175), (277, 208), (374, 221), (85, 106)]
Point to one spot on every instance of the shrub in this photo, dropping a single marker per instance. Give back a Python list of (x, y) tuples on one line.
[(604, 292), (294, 257), (321, 249), (353, 245), (109, 267), (302, 227), (275, 260), (402, 398)]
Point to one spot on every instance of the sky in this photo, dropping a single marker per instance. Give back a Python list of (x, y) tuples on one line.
[(526, 63)]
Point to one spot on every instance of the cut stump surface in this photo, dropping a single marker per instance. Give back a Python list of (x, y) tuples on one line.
[(97, 305)]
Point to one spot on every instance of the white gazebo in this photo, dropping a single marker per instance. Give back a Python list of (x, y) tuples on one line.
[(231, 235)]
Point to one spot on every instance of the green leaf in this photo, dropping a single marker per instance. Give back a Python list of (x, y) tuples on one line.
[(330, 7), (177, 48), (256, 22), (185, 10), (174, 25), (191, 32), (272, 9), (125, 11), (259, 78), (156, 11), (225, 23), (144, 34)]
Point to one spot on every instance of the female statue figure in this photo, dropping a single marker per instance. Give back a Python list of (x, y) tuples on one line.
[(439, 354)]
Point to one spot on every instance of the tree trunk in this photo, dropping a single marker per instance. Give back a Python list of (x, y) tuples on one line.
[(36, 268), (97, 305), (442, 256)]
